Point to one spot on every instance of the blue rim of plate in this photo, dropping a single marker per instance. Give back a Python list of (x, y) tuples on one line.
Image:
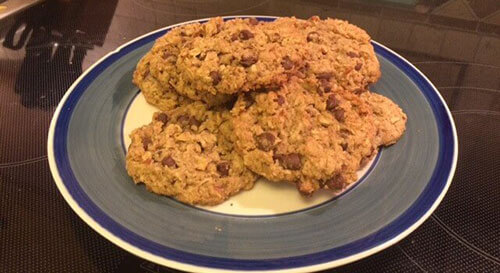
[(383, 238)]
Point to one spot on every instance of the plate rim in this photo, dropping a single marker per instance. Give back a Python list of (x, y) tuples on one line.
[(190, 267)]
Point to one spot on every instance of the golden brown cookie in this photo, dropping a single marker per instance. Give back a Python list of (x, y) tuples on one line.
[(162, 94), (188, 154), (389, 119), (155, 94), (295, 134), (244, 55)]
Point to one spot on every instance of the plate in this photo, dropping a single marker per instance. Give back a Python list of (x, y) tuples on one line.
[(270, 228)]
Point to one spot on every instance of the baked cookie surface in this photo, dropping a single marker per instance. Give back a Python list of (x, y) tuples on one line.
[(296, 134), (155, 94), (389, 118), (188, 154), (242, 55), (164, 96)]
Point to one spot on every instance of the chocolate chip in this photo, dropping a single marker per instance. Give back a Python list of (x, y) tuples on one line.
[(313, 37), (253, 21), (324, 75), (223, 168), (194, 121), (249, 100), (287, 63), (162, 117), (183, 119), (280, 100), (216, 77), (289, 161), (246, 34), (169, 161), (358, 66), (344, 146), (230, 103), (339, 114), (336, 183), (359, 91), (265, 141), (325, 84), (248, 61), (332, 102), (145, 142), (234, 37), (352, 54), (344, 132), (261, 89), (201, 56)]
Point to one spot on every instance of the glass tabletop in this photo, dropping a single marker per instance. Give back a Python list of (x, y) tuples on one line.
[(47, 45)]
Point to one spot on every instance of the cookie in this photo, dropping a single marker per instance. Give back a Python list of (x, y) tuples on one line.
[(389, 119), (297, 135), (338, 55), (188, 154), (244, 55), (164, 98), (162, 58)]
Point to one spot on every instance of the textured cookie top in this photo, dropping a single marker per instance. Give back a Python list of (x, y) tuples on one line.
[(188, 154), (244, 54), (164, 96), (317, 140), (389, 118)]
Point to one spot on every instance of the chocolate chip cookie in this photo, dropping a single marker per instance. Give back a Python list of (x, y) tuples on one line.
[(155, 94), (389, 119), (161, 92), (338, 55), (188, 154), (244, 54), (297, 134)]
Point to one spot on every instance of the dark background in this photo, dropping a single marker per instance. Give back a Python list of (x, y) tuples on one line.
[(45, 47)]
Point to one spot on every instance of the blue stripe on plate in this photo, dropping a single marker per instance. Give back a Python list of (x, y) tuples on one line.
[(432, 191)]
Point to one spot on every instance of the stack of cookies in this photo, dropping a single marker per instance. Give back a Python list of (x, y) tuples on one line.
[(287, 100)]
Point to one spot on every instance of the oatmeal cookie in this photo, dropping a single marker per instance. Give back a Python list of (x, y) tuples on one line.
[(389, 119), (164, 98), (188, 154), (338, 55), (296, 134), (244, 54)]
